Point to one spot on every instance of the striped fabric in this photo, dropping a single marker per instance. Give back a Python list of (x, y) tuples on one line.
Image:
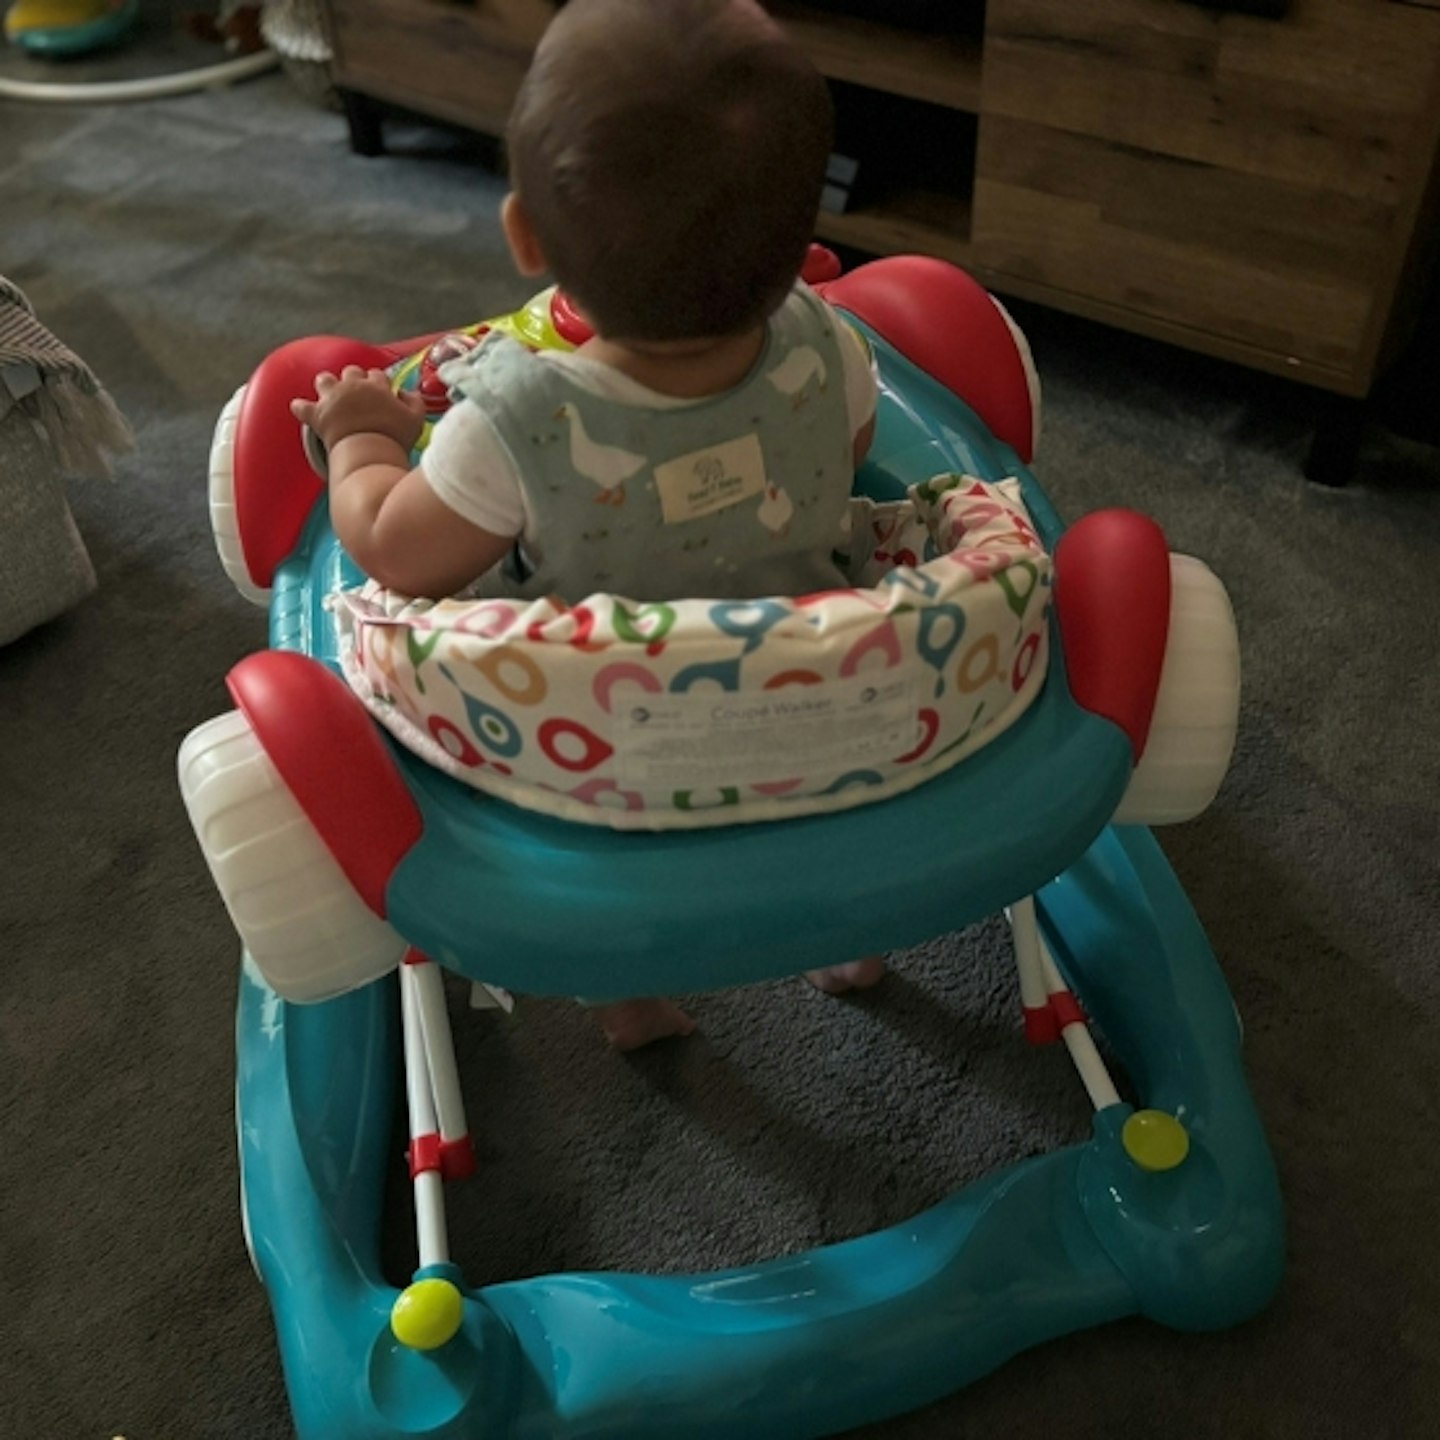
[(48, 381)]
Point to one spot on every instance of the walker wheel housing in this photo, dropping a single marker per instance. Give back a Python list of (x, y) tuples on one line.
[(297, 913), (1197, 708), (949, 325), (1157, 655), (224, 528), (262, 487)]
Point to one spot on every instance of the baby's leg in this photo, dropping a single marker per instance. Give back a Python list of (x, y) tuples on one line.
[(629, 1024), (856, 975)]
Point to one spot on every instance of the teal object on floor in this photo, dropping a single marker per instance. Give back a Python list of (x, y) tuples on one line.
[(51, 28), (1057, 1243)]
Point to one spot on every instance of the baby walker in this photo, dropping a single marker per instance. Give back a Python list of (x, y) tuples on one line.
[(1089, 680)]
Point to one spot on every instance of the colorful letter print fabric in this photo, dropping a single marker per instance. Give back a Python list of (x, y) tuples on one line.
[(706, 712)]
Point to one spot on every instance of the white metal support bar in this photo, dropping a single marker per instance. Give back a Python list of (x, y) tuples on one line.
[(1040, 1024), (439, 1050), (432, 1237), (1077, 1038), (1043, 990)]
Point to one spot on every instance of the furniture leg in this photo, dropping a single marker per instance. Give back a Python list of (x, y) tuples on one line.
[(1335, 449), (366, 120)]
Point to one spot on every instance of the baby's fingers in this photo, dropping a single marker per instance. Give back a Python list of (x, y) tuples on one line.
[(325, 382), (304, 411), (352, 372)]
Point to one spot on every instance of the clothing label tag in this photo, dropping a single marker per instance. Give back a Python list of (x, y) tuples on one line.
[(705, 481), (719, 738)]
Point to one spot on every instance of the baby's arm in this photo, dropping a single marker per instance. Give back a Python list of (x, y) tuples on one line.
[(387, 517)]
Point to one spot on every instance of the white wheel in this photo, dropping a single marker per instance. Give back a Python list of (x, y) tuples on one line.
[(223, 525), (308, 932), (1192, 734)]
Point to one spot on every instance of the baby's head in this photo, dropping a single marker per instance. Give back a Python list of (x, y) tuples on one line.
[(668, 157)]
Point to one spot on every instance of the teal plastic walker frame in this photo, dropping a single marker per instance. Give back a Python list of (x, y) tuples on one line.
[(1057, 1243)]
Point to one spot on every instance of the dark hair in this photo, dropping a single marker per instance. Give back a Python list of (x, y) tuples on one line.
[(670, 156)]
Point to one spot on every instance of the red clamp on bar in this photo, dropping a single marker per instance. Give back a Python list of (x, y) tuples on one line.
[(454, 1159), (457, 1158), (1066, 1009), (415, 957), (425, 1155), (1042, 1027)]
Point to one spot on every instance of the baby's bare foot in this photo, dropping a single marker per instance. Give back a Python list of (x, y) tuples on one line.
[(856, 975), (630, 1024)]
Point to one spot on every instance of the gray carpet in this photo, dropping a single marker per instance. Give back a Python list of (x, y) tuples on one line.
[(173, 246)]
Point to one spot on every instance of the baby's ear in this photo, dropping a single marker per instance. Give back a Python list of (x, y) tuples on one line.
[(520, 236)]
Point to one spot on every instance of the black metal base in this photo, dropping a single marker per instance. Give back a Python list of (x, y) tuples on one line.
[(1335, 449), (366, 118)]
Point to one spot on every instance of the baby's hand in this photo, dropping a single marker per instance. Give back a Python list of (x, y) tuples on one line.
[(360, 402)]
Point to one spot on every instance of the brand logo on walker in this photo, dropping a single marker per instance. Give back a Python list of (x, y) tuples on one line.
[(705, 481), (705, 739), (781, 709)]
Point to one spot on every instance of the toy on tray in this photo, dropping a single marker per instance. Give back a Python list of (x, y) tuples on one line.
[(1086, 680)]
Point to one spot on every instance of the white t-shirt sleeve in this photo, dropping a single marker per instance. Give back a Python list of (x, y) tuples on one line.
[(861, 386), (469, 467)]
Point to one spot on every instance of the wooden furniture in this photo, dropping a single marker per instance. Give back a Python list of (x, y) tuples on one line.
[(1262, 190)]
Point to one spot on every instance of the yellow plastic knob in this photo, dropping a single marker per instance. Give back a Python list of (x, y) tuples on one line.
[(427, 1314), (1155, 1141)]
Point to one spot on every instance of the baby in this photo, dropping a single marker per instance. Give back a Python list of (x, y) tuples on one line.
[(667, 158)]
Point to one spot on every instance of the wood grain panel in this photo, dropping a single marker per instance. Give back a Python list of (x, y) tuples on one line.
[(1068, 246), (1327, 96), (943, 69), (1240, 177), (459, 62), (1271, 224), (910, 221)]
